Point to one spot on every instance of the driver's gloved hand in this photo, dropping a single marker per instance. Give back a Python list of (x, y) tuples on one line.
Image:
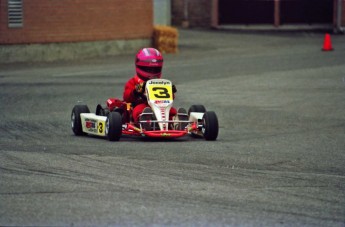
[(139, 89), (174, 90)]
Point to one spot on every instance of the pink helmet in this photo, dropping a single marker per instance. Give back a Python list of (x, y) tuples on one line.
[(148, 64)]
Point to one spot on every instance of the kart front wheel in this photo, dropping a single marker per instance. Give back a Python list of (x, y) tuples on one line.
[(113, 129), (76, 120), (210, 126), (197, 108)]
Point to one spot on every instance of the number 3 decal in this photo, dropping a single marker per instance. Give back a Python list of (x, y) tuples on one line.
[(163, 92), (159, 91), (100, 127)]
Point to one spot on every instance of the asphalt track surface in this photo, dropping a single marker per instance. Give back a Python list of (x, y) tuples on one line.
[(279, 159)]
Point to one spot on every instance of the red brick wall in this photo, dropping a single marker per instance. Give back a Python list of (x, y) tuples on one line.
[(78, 20)]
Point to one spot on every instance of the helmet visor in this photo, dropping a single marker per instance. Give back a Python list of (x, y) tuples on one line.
[(152, 69)]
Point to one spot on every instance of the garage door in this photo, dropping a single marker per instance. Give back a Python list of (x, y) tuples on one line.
[(246, 11), (262, 11), (306, 11)]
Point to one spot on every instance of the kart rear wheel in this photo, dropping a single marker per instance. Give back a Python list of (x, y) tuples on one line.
[(102, 111), (76, 120), (197, 108), (210, 126), (113, 128)]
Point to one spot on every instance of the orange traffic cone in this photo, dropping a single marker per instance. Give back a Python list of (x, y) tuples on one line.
[(327, 43)]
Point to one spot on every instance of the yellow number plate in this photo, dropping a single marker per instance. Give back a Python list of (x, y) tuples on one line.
[(160, 92)]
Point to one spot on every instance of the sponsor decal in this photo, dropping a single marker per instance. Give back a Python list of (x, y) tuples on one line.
[(109, 101), (91, 125), (165, 134), (159, 82), (136, 129), (162, 101)]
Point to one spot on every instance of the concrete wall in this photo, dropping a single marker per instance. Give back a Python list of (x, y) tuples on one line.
[(162, 12), (50, 52)]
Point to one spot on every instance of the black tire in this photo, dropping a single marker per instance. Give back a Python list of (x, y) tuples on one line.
[(210, 126), (76, 120), (113, 126), (99, 110), (197, 108), (102, 111)]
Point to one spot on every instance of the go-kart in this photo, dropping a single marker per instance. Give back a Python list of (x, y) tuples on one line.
[(115, 119)]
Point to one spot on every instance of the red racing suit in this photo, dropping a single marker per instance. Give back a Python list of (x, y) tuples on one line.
[(138, 103)]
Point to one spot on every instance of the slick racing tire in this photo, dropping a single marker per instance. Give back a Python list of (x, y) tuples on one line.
[(197, 108), (113, 128), (76, 120), (210, 126)]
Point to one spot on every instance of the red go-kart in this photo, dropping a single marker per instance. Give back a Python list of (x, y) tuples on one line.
[(115, 119)]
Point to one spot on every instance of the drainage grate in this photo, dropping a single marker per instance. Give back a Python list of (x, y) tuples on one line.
[(15, 13)]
